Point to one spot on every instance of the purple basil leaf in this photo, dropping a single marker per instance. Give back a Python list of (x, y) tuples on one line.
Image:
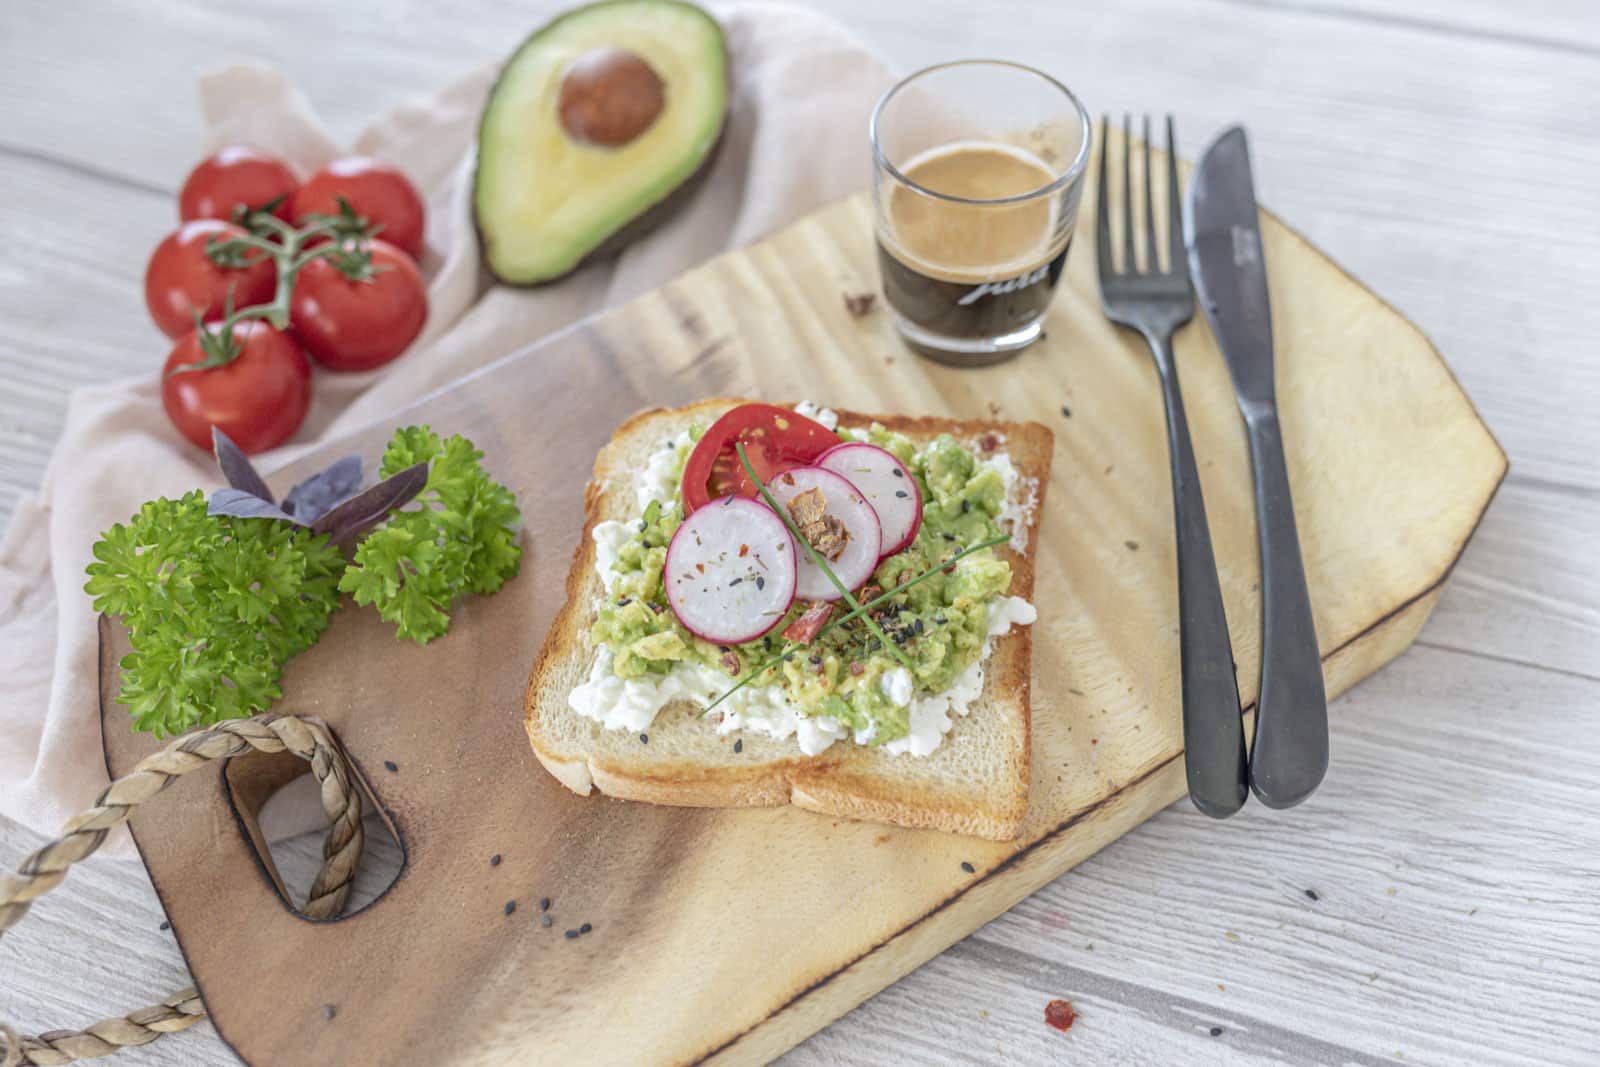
[(240, 504), (237, 468), (368, 509), (317, 495)]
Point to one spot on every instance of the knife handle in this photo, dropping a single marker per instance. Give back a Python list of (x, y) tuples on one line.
[(1289, 755), (1213, 729)]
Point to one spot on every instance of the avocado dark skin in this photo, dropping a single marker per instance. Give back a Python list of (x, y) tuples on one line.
[(642, 222)]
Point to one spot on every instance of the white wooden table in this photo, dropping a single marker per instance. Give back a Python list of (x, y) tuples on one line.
[(1446, 151)]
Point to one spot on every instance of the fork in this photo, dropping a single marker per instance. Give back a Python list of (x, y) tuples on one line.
[(1156, 302)]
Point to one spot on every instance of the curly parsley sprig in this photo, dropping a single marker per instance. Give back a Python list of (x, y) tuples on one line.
[(218, 596)]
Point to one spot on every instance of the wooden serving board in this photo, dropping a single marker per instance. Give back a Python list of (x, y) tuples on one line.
[(728, 936)]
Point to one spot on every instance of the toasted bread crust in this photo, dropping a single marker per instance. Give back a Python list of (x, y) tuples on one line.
[(844, 780)]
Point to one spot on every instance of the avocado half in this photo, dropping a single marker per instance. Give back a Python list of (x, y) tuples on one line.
[(595, 122)]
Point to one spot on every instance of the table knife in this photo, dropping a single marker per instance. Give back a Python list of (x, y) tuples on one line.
[(1289, 753)]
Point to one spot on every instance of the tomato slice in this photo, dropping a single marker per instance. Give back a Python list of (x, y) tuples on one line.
[(776, 439)]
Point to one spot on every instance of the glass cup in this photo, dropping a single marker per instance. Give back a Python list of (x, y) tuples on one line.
[(977, 169)]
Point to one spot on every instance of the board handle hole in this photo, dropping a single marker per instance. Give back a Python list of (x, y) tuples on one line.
[(274, 800)]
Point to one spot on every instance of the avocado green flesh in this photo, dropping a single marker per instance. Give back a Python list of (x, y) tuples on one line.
[(544, 201), (944, 619)]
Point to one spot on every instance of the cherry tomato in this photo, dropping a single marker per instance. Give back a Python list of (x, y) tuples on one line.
[(259, 399), (237, 176), (378, 192), (181, 279), (776, 439), (359, 323)]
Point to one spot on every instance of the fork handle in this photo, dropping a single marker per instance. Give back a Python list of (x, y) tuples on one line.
[(1213, 728), (1290, 753)]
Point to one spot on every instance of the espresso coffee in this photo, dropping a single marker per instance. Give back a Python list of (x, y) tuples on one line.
[(972, 270)]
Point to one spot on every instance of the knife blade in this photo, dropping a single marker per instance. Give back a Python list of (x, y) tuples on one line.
[(1289, 754)]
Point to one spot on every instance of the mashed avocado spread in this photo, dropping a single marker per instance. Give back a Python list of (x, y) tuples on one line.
[(843, 682)]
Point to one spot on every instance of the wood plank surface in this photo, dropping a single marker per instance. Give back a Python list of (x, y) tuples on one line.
[(1442, 150)]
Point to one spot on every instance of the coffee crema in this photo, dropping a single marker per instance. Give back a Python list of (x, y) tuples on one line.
[(972, 269)]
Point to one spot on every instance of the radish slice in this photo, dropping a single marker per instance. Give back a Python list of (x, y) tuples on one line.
[(887, 485), (730, 572), (845, 503)]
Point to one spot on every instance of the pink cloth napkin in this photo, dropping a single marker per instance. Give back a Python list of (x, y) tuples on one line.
[(795, 141)]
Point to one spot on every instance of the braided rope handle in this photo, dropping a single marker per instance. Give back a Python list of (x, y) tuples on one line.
[(44, 870)]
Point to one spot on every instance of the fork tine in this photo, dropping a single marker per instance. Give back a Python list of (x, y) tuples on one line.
[(1102, 208), (1129, 264), (1175, 249), (1151, 264)]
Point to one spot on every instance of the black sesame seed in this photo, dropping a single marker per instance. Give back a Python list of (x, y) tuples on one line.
[(1133, 546), (390, 766), (727, 500), (766, 642), (919, 626), (165, 925), (329, 1011), (571, 934), (966, 506), (511, 906), (643, 526), (941, 620), (625, 601), (735, 582), (948, 536), (494, 860), (738, 744), (644, 739), (545, 920), (787, 656), (1216, 1031), (1312, 893), (724, 649), (761, 583), (969, 868), (898, 473), (585, 928), (901, 493), (1066, 411), (544, 903)]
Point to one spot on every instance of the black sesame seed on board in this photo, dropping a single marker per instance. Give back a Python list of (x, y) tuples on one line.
[(1216, 1031), (738, 744), (545, 920), (1312, 894), (644, 739), (585, 928), (544, 903), (329, 1011), (511, 906), (1066, 411), (494, 860), (969, 868), (165, 925), (390, 766), (571, 934)]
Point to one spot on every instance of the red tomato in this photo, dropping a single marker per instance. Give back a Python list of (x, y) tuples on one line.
[(181, 279), (259, 399), (776, 439), (237, 176), (358, 324), (378, 192)]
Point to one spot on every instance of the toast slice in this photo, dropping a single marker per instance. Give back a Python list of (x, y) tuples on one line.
[(975, 782)]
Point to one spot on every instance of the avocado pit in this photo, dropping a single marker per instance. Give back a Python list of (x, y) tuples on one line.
[(609, 96)]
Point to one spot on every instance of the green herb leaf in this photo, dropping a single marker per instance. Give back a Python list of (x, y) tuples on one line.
[(461, 537), (214, 606)]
